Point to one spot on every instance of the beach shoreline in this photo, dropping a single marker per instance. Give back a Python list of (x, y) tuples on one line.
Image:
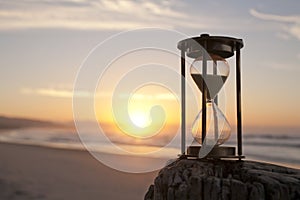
[(37, 172)]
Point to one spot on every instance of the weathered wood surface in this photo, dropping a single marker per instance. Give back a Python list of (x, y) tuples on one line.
[(225, 180)]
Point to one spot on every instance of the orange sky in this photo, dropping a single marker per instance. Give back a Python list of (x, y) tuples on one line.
[(41, 55)]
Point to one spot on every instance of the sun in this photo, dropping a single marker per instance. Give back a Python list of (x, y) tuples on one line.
[(140, 118)]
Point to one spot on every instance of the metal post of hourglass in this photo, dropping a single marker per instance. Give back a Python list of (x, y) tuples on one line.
[(238, 100), (182, 78), (216, 128), (204, 89)]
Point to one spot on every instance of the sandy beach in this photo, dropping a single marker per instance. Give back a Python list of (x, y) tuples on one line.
[(32, 172)]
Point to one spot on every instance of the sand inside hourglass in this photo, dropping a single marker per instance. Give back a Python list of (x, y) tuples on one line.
[(213, 83)]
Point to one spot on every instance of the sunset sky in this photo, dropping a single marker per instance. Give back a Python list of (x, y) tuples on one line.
[(44, 42)]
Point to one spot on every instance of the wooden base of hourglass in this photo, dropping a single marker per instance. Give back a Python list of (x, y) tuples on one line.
[(217, 152)]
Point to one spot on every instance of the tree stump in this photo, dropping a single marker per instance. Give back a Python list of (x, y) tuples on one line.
[(225, 180)]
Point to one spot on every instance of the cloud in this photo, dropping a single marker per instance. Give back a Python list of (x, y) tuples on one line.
[(112, 15), (87, 15), (279, 18), (50, 92), (281, 66), (291, 23), (68, 93)]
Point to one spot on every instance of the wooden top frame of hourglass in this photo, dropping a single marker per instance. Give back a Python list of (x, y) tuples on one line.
[(225, 48)]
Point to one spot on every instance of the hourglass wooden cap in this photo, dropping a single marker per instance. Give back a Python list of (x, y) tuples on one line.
[(219, 45)]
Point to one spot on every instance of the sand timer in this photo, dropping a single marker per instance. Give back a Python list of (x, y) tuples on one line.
[(209, 71)]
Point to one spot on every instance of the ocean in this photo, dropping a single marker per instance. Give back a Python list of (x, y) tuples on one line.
[(281, 149)]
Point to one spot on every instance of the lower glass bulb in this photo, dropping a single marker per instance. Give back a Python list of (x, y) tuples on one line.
[(218, 129)]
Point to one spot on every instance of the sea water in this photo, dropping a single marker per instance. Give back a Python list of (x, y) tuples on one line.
[(283, 149)]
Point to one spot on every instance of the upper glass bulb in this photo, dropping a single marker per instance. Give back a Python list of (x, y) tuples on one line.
[(214, 74)]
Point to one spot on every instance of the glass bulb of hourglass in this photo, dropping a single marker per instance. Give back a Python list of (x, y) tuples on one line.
[(217, 127), (211, 78), (217, 71)]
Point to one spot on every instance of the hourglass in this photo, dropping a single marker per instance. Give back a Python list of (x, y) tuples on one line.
[(210, 71)]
